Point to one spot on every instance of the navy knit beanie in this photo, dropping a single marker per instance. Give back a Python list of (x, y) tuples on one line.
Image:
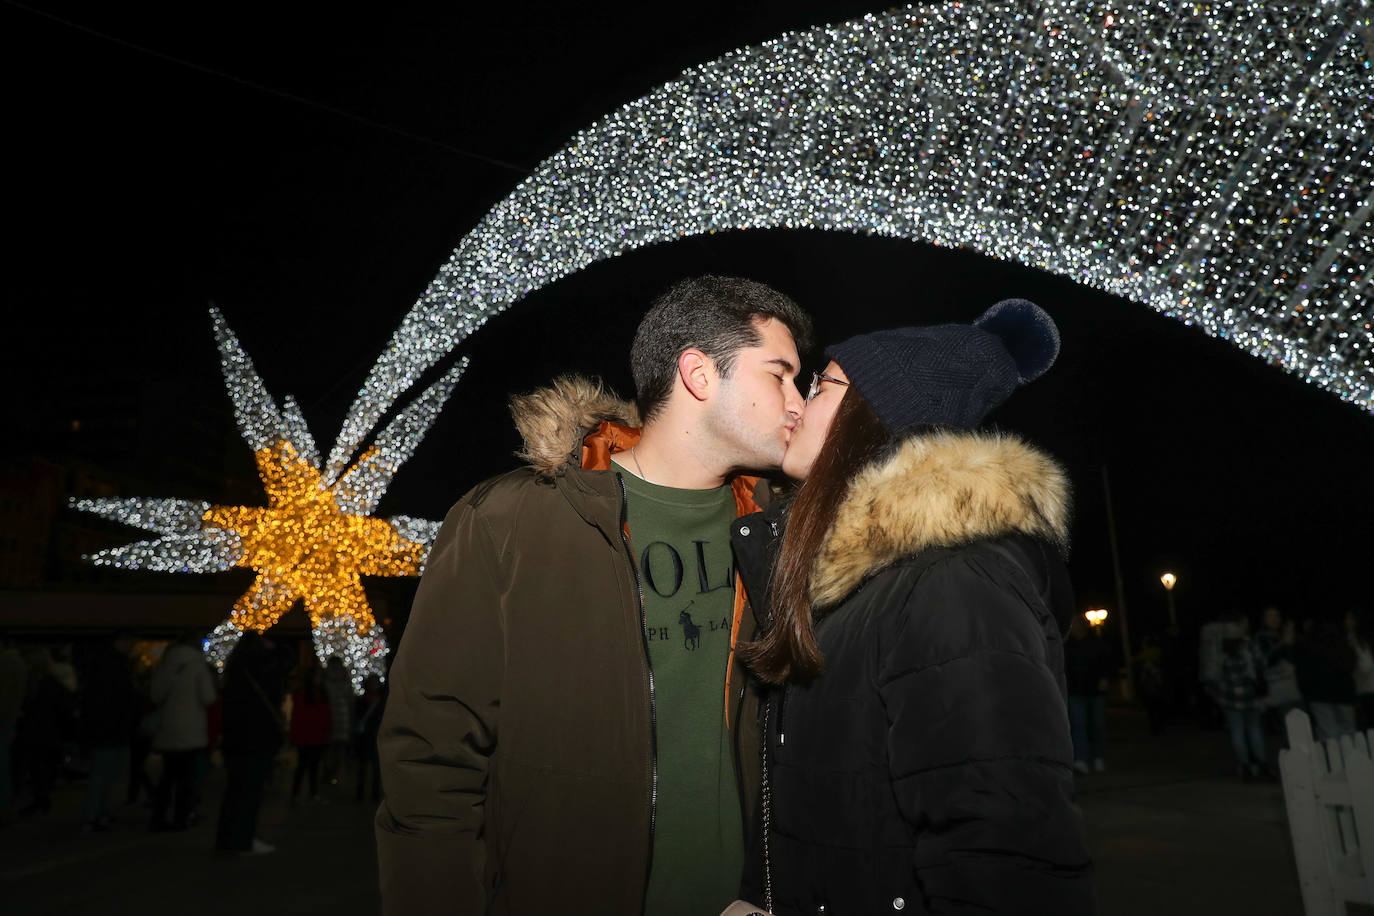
[(949, 375)]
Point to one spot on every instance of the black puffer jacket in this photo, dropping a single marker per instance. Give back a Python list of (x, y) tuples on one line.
[(929, 769)]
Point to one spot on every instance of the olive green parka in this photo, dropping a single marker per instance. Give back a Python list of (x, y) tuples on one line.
[(517, 747)]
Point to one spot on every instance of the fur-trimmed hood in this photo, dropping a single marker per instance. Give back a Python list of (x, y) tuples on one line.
[(555, 421), (938, 490)]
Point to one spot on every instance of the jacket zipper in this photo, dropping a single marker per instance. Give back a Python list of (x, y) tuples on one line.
[(782, 709), (739, 727), (648, 667), (739, 763), (782, 699)]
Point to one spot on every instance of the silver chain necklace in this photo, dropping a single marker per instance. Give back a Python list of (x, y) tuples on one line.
[(635, 459)]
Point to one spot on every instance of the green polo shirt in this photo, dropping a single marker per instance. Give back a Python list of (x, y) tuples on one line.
[(681, 542)]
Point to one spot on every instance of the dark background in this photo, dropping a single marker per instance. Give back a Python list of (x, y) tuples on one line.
[(314, 183)]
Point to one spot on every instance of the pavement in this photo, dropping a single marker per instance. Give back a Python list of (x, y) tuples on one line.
[(1171, 828)]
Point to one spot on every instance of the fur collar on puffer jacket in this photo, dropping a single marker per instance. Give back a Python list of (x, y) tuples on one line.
[(554, 421), (940, 489)]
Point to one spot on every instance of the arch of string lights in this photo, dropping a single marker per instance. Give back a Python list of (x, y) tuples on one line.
[(1209, 160)]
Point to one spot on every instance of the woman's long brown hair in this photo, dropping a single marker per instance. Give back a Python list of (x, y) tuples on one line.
[(788, 649)]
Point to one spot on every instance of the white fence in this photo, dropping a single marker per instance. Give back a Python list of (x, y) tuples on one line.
[(1328, 787)]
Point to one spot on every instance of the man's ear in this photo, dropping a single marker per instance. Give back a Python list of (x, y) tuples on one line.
[(697, 372)]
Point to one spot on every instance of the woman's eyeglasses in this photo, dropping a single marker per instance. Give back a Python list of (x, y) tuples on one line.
[(816, 379)]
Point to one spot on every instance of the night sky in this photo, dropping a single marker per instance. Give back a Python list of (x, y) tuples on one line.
[(142, 187)]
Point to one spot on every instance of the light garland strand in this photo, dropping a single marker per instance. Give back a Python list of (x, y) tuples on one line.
[(1209, 160)]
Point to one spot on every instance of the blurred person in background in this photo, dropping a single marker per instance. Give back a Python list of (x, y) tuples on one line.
[(108, 709), (311, 729), (13, 684), (1210, 657), (341, 701), (47, 719), (1088, 669), (253, 726), (368, 715), (141, 785), (1326, 663), (1357, 632), (214, 722), (1241, 689), (62, 668), (1152, 682), (1275, 642), (182, 687)]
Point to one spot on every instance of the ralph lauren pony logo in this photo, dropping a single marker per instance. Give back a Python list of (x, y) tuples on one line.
[(691, 633)]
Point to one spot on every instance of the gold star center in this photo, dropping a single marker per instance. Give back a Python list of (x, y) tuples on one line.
[(305, 546)]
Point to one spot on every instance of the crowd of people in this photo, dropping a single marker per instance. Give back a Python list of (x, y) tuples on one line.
[(1256, 677), (1246, 682), (148, 735)]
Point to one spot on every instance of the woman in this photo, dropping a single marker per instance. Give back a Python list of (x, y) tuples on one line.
[(311, 732), (918, 757)]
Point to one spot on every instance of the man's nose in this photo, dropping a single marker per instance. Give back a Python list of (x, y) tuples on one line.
[(795, 403)]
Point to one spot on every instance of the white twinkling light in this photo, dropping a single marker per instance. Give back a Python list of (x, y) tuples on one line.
[(419, 530), (1209, 160), (256, 413), (294, 430), (219, 645), (363, 654), (164, 516), (183, 547), (359, 490), (192, 551), (313, 540)]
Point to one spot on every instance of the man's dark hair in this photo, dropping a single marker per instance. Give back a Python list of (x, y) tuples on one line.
[(715, 315)]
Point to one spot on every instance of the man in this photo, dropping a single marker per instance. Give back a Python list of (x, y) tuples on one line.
[(567, 729), (107, 713)]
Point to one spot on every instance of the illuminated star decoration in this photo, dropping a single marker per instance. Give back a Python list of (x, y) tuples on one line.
[(1212, 161), (314, 539)]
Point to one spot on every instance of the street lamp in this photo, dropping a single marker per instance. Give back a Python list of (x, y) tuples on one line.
[(1097, 616), (1169, 579)]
